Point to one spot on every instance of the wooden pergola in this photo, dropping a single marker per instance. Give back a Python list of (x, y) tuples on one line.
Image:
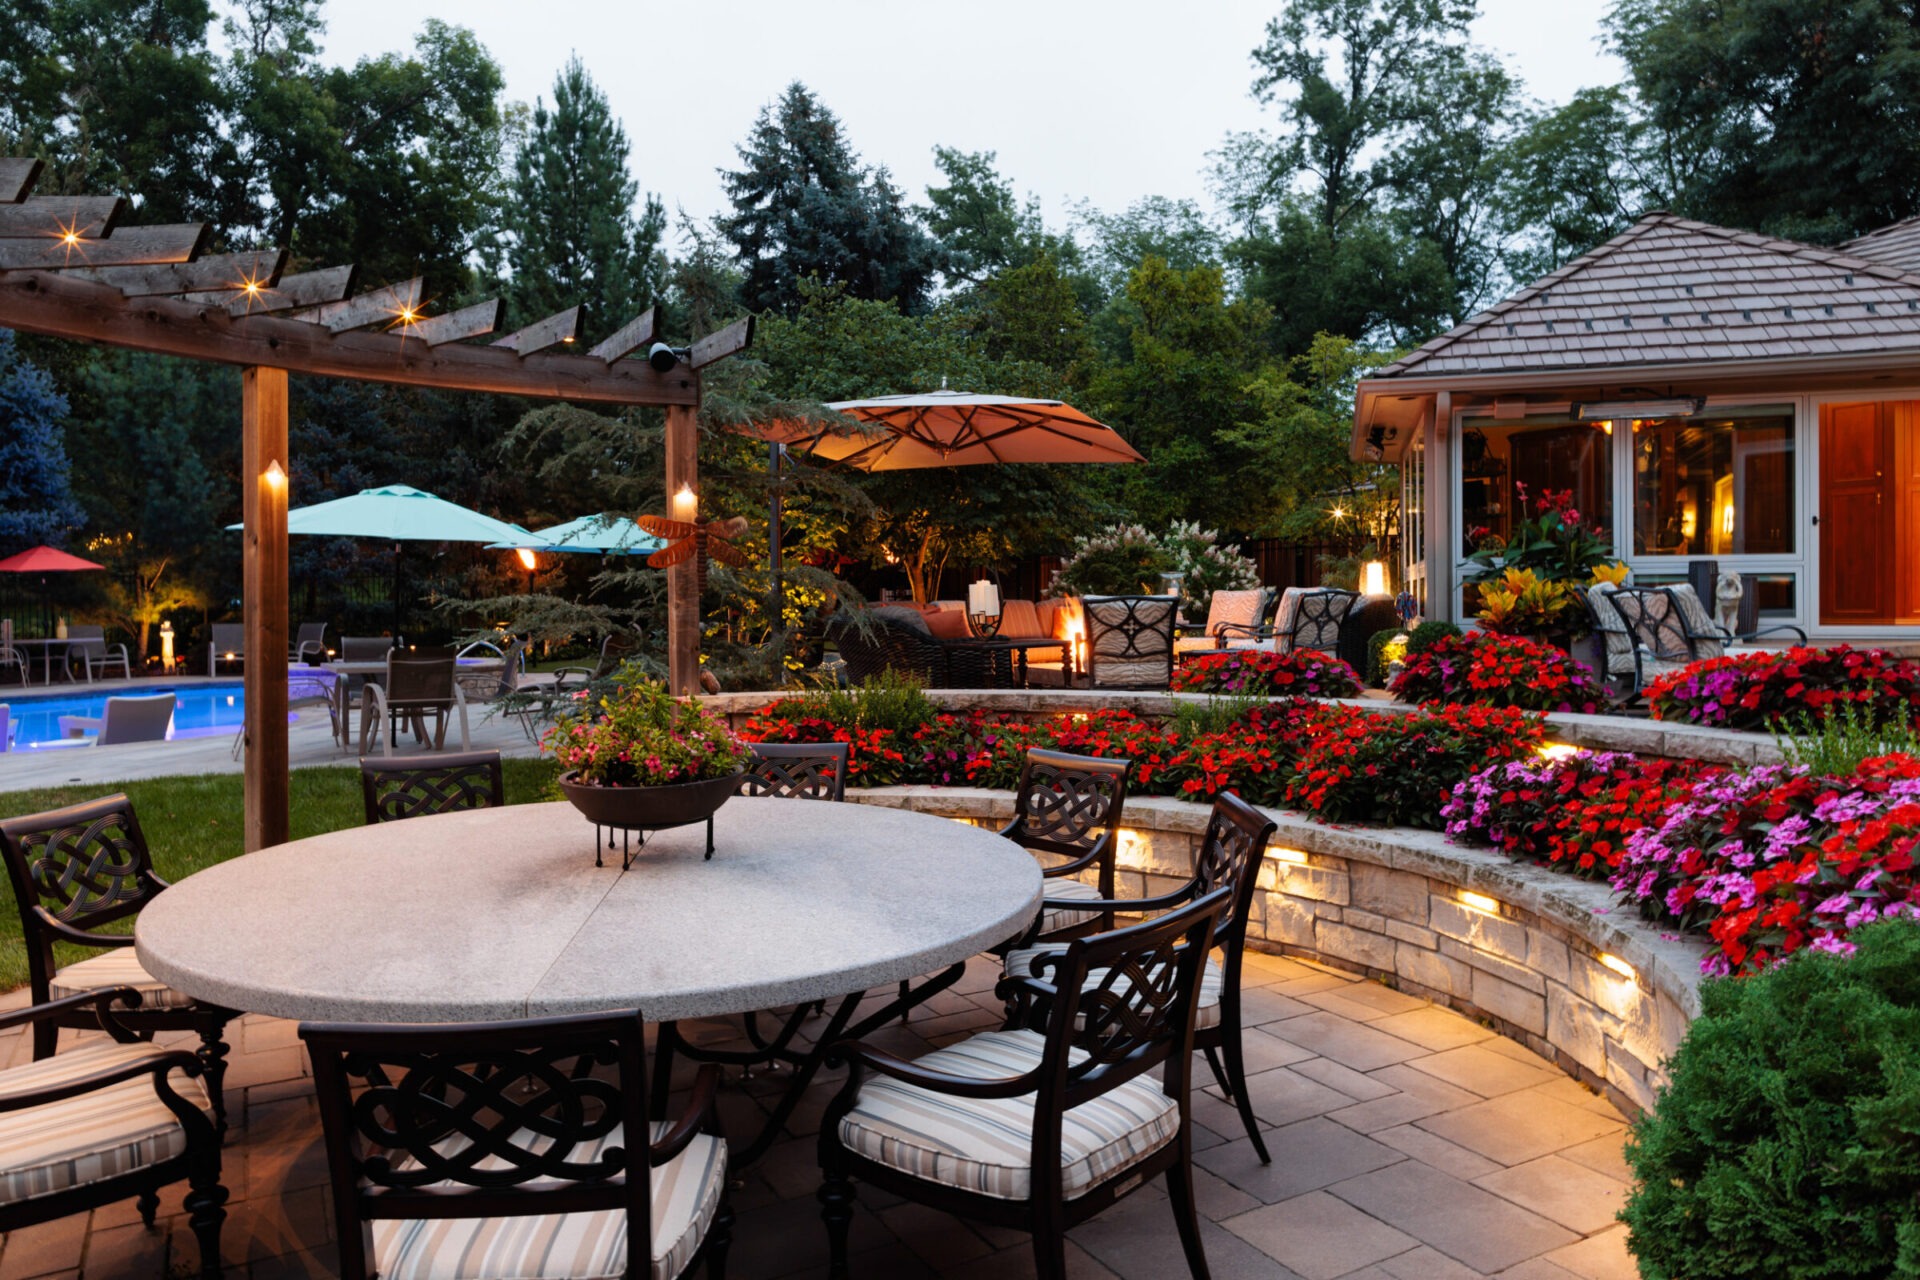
[(69, 269)]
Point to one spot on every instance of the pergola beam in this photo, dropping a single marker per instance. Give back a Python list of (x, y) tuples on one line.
[(468, 322), (391, 304), (38, 302), (560, 327), (729, 341), (130, 247), (222, 273), (89, 217), (17, 176), (304, 289), (629, 337)]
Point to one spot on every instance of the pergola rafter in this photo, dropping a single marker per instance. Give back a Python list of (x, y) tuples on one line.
[(69, 268)]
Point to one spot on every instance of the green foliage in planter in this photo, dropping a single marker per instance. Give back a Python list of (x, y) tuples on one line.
[(1377, 658), (1428, 632), (1788, 1145), (886, 701)]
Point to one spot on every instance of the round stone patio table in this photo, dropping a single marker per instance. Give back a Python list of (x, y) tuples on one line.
[(493, 914)]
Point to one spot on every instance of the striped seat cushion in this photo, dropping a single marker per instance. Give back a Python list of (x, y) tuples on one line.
[(1054, 919), (92, 1136), (564, 1246), (985, 1145), (119, 967), (1020, 964)]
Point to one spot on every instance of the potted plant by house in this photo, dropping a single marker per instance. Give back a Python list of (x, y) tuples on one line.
[(640, 759)]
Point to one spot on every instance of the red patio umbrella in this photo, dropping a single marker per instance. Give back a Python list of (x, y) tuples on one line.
[(43, 561)]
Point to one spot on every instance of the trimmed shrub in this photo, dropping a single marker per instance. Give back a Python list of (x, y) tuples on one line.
[(1498, 671), (1786, 1146), (1378, 657), (1426, 633)]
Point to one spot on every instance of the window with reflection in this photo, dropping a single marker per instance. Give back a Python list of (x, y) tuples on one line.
[(1714, 485), (1502, 461)]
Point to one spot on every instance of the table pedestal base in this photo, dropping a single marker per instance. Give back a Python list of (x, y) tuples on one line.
[(806, 1063)]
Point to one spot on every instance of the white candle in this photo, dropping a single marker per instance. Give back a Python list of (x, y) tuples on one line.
[(686, 505)]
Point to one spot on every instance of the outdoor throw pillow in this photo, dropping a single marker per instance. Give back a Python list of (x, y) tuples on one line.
[(1019, 620), (949, 624)]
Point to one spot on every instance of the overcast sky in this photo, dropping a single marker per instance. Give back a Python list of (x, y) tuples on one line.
[(1101, 100)]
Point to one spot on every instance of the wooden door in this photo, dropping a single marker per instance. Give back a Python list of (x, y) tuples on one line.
[(1857, 547), (1905, 496)]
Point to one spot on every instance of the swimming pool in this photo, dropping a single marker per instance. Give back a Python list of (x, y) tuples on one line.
[(200, 710)]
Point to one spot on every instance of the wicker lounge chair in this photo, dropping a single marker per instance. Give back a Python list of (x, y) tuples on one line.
[(142, 718)]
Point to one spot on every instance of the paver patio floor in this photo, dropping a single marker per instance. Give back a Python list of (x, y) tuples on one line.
[(1408, 1143)]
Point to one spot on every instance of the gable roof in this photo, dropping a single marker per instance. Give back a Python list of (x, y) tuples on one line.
[(1669, 290)]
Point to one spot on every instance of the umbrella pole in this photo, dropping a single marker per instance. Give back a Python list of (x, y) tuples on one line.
[(396, 595), (773, 555)]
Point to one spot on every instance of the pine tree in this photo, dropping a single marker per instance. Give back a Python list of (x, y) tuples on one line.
[(36, 503), (572, 233), (805, 206)]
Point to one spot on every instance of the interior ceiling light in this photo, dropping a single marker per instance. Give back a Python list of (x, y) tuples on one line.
[(1678, 407)]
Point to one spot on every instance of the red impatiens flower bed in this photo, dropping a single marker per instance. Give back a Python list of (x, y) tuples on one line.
[(1402, 769), (1759, 690), (1303, 673), (1498, 671), (1573, 813)]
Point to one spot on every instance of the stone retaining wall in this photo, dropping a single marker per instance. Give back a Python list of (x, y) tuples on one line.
[(1598, 733), (1548, 960)]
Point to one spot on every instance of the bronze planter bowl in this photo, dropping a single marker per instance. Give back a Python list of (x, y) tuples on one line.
[(676, 804)]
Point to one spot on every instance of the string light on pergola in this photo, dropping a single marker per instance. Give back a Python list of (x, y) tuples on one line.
[(68, 269)]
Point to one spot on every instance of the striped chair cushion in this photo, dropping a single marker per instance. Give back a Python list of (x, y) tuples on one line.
[(1054, 919), (564, 1246), (119, 967), (1020, 964), (92, 1136), (985, 1145)]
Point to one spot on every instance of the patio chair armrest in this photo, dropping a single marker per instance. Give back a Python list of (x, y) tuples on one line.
[(50, 923), (1797, 633), (101, 996), (159, 1066), (700, 1116), (858, 1056), (1162, 902)]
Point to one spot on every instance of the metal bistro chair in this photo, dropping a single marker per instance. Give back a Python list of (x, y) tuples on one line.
[(1229, 859), (1229, 613), (107, 1120), (310, 646), (399, 787), (415, 688), (75, 871), (1042, 1126), (1130, 641), (1068, 807), (798, 770), (1671, 630), (503, 1149)]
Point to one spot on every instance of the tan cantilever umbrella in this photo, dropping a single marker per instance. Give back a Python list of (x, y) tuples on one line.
[(956, 429)]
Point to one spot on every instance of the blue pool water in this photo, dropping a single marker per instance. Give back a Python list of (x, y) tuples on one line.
[(199, 711)]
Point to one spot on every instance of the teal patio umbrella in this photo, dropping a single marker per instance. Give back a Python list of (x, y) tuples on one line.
[(604, 534), (400, 513)]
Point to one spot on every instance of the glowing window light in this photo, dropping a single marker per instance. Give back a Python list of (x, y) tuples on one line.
[(1480, 902)]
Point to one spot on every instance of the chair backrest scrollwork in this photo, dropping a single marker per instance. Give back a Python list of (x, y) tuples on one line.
[(1130, 640), (1067, 803), (798, 771), (399, 787), (490, 1120), (1229, 858)]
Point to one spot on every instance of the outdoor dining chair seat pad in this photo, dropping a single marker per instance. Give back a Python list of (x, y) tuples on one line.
[(564, 1246), (985, 1145), (119, 967), (1020, 963), (1054, 919), (92, 1136)]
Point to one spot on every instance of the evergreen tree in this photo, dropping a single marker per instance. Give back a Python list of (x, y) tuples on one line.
[(805, 206), (36, 504), (572, 232)]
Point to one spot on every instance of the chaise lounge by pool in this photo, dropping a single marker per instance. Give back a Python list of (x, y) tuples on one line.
[(200, 710)]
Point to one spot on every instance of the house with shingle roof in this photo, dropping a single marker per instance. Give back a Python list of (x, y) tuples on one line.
[(1707, 395)]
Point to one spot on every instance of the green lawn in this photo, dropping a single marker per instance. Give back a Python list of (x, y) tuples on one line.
[(194, 821)]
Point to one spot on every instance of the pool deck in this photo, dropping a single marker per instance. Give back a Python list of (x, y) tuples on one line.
[(310, 742)]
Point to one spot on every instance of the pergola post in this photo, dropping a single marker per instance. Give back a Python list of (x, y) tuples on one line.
[(683, 579), (263, 577)]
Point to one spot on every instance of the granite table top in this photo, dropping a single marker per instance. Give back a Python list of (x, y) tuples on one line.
[(494, 914)]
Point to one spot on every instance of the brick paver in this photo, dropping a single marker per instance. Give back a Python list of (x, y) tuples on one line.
[(1408, 1143)]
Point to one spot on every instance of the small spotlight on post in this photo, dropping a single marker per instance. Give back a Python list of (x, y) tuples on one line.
[(663, 357)]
